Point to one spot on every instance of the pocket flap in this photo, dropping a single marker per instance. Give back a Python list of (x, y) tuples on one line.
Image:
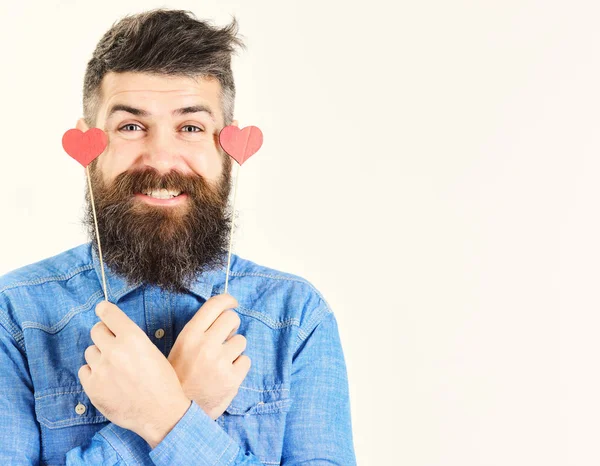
[(65, 407), (259, 401)]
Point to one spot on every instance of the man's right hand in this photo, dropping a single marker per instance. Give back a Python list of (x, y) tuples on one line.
[(207, 355)]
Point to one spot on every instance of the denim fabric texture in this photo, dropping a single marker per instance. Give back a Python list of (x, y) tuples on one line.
[(292, 408)]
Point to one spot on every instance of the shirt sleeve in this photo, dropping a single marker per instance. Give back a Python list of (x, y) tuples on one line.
[(318, 428), (111, 445), (19, 431), (197, 439)]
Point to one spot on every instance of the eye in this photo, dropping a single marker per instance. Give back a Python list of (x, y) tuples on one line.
[(129, 124), (192, 126)]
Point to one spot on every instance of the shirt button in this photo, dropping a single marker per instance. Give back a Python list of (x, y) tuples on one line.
[(159, 333), (80, 408)]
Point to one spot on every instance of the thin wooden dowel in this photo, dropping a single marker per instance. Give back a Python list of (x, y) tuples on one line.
[(87, 168), (237, 175)]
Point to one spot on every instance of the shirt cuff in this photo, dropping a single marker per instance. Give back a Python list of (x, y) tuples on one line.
[(129, 445), (195, 439)]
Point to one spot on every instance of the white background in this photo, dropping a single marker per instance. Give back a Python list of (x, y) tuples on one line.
[(430, 166)]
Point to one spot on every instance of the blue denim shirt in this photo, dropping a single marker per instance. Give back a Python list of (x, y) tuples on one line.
[(292, 407)]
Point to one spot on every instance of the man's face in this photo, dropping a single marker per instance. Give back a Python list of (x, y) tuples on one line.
[(185, 142), (161, 186)]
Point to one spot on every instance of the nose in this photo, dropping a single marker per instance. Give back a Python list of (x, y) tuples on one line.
[(161, 151)]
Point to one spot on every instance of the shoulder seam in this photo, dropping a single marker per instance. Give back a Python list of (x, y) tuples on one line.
[(41, 281), (281, 277), (320, 314), (17, 335)]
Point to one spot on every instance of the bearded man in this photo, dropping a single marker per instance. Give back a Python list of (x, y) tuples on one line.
[(170, 370)]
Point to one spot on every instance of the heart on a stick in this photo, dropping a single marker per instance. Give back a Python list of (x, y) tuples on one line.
[(84, 147), (240, 144)]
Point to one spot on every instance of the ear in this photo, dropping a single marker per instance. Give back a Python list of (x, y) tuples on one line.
[(234, 123), (81, 125)]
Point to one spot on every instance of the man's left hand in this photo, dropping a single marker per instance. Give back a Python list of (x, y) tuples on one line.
[(129, 380)]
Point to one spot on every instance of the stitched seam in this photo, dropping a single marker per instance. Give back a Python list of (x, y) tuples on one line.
[(42, 441), (53, 278), (275, 325), (4, 318), (11, 327), (271, 407), (71, 421), (121, 440), (224, 451), (122, 292), (263, 391), (67, 318), (317, 317), (170, 331), (280, 277), (113, 447), (59, 393), (234, 456), (183, 427), (21, 341)]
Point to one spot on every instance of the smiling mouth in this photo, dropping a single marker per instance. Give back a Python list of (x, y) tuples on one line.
[(162, 194)]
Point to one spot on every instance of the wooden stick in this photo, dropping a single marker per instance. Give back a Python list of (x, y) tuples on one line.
[(237, 175), (97, 234)]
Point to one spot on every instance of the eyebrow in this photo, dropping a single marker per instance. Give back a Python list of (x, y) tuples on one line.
[(179, 111)]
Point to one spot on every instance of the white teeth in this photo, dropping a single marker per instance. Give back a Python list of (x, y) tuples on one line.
[(162, 194)]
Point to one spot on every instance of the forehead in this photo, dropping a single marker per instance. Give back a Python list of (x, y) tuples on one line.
[(157, 93)]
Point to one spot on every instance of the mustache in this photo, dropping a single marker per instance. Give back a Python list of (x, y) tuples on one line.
[(133, 182), (150, 179)]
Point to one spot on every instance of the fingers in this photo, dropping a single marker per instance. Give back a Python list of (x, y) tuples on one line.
[(115, 319), (242, 365), (226, 324), (210, 311), (84, 374), (92, 356), (233, 347), (101, 335)]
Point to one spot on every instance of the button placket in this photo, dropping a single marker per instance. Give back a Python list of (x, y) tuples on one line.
[(156, 304)]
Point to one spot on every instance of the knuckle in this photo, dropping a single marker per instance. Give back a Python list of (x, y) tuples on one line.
[(232, 317), (96, 327), (245, 361), (242, 341), (101, 307), (209, 353), (82, 370), (229, 300), (119, 356)]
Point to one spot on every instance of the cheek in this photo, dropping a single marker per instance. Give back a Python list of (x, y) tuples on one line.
[(115, 161), (207, 163)]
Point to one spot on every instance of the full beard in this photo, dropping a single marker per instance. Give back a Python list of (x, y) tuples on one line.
[(166, 246)]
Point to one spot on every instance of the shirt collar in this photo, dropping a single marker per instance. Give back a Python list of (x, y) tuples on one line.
[(117, 286)]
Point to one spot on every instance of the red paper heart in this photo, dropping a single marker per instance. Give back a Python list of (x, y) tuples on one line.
[(240, 144), (84, 147)]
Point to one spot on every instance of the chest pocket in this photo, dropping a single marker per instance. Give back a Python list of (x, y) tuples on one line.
[(67, 420), (256, 420)]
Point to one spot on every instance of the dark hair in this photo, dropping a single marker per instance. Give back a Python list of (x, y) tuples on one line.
[(167, 42)]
